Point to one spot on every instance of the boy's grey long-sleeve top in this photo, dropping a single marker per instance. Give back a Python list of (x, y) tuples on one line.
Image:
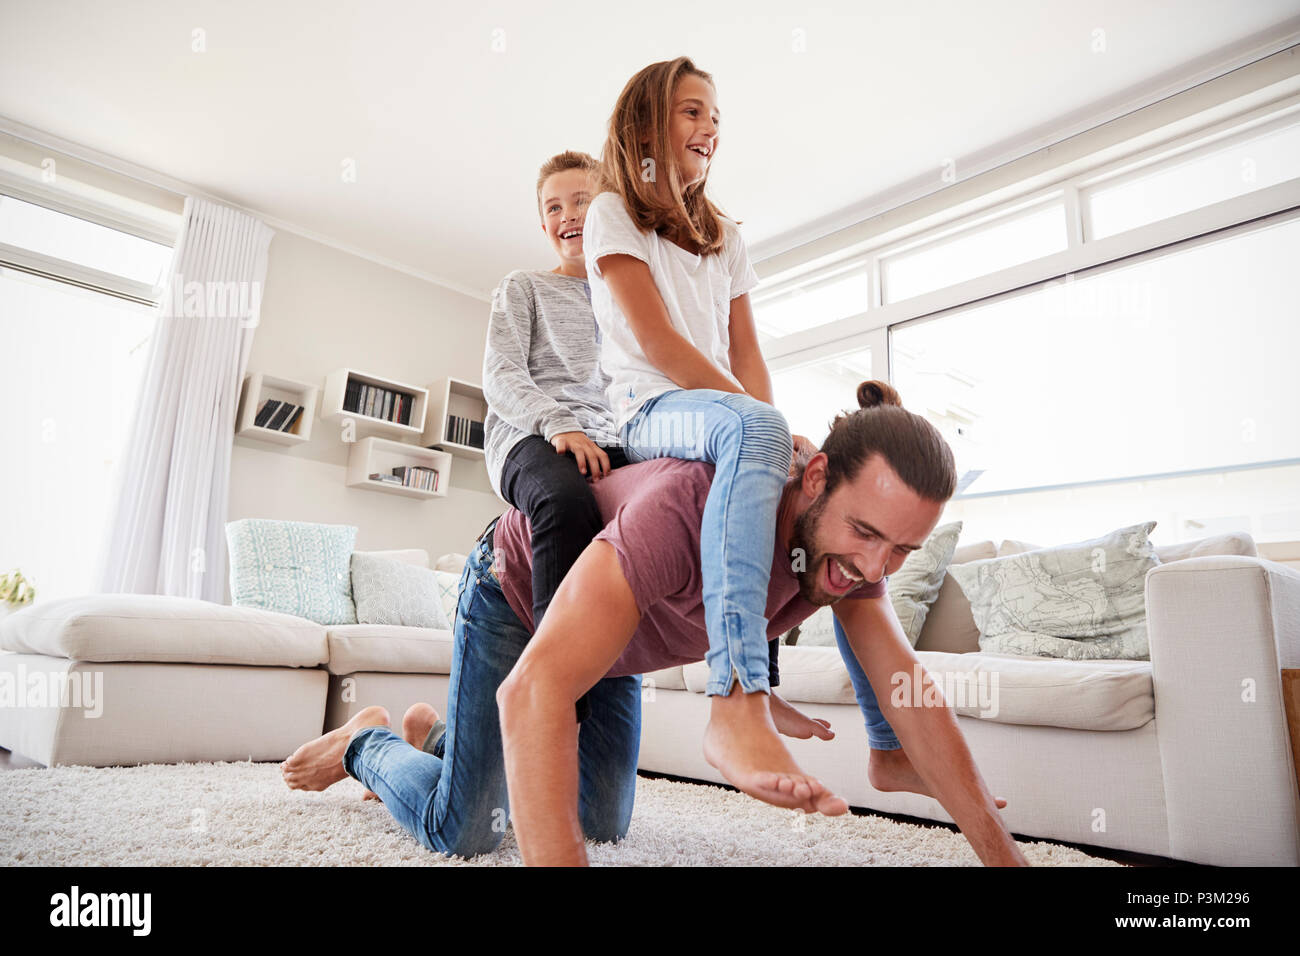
[(541, 366)]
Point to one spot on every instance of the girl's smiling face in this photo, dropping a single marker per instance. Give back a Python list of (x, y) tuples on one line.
[(564, 210), (693, 128)]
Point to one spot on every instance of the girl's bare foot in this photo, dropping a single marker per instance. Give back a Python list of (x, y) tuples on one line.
[(318, 764), (792, 722), (742, 744), (416, 724)]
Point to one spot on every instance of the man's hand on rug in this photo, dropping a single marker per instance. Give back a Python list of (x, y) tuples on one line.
[(794, 723)]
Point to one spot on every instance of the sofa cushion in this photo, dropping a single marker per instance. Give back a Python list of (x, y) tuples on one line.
[(1079, 601), (388, 591), (416, 556), (388, 648), (950, 626), (1002, 688), (1234, 542), (159, 628), (914, 587), (670, 678), (296, 567), (448, 592)]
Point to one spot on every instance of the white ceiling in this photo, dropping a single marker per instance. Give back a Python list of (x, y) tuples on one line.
[(447, 134)]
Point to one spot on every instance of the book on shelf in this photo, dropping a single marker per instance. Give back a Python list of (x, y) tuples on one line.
[(375, 402), (280, 417), (293, 417), (464, 431), (264, 413), (417, 476)]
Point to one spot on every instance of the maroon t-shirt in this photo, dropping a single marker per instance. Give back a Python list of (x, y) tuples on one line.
[(652, 513)]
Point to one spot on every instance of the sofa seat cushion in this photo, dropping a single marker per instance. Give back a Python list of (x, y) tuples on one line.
[(670, 678), (1003, 688), (159, 628), (388, 649)]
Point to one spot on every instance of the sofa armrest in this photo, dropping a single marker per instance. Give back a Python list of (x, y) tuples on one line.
[(1221, 629)]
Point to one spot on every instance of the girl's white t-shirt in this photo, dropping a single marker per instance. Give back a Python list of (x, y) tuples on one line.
[(697, 292)]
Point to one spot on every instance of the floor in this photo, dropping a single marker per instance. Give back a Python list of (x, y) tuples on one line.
[(12, 761)]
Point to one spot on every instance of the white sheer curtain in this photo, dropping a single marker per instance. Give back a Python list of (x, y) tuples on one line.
[(166, 533)]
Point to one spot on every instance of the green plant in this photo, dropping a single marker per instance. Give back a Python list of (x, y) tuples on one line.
[(16, 590)]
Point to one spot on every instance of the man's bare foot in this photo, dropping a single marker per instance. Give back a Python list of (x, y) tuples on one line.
[(792, 722), (416, 724), (741, 742), (890, 770), (318, 764)]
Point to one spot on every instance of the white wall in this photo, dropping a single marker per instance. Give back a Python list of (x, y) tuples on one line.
[(324, 309)]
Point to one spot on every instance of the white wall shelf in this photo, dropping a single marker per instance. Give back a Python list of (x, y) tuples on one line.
[(453, 396), (336, 390), (374, 454), (259, 388)]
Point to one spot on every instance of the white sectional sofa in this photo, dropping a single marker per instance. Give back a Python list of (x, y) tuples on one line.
[(1187, 755)]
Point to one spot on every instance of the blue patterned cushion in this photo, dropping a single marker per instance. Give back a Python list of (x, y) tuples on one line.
[(448, 592), (293, 566)]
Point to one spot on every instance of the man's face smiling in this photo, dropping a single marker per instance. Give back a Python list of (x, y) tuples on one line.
[(860, 532)]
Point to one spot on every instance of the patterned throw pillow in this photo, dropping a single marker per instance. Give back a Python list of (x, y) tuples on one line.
[(912, 589), (915, 585), (1084, 601), (295, 567), (448, 592), (388, 591)]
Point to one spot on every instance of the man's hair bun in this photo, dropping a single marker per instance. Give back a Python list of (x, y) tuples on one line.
[(874, 392)]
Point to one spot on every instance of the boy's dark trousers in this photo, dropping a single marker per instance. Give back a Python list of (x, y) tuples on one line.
[(562, 513)]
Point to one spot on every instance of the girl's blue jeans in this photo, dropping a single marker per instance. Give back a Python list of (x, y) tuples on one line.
[(748, 442)]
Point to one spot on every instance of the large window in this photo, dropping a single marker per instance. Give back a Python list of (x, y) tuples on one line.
[(1199, 177), (70, 373), (1177, 363), (1116, 346), (975, 251), (811, 395)]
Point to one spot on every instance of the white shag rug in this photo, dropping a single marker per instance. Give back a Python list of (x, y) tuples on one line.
[(241, 814)]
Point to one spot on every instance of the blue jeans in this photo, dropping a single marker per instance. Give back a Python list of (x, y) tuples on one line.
[(879, 734), (453, 799), (749, 444)]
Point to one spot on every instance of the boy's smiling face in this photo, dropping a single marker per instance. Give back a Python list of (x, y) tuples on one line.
[(564, 210)]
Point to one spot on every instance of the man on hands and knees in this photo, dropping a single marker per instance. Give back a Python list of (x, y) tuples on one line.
[(632, 604)]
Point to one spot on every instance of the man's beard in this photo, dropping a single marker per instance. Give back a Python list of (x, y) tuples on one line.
[(801, 542)]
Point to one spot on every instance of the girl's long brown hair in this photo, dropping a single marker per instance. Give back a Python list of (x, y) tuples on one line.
[(652, 192)]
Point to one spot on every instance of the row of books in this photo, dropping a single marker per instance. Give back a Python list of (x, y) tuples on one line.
[(464, 431), (277, 415), (409, 476), (378, 402)]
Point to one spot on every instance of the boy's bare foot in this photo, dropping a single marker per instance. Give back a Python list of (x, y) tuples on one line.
[(792, 722), (416, 724), (891, 770), (741, 742), (318, 764)]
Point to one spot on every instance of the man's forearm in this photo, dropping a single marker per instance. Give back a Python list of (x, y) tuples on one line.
[(935, 746), (540, 738)]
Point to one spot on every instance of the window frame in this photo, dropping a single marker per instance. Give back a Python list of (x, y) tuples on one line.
[(870, 326)]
